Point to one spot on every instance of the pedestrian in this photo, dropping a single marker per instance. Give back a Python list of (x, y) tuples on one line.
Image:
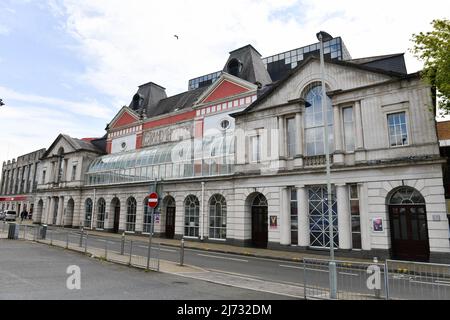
[(23, 215)]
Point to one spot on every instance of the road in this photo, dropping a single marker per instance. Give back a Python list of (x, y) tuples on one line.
[(351, 279), (30, 271)]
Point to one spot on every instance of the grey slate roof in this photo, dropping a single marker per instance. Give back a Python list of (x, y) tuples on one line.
[(177, 102), (389, 62), (77, 144), (266, 92), (253, 69)]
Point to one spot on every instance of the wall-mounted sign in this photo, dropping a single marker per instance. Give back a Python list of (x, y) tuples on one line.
[(167, 134), (377, 224), (157, 218), (273, 222)]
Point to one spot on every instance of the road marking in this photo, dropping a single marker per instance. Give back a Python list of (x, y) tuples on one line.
[(443, 282), (318, 270), (430, 283), (154, 248), (217, 257), (286, 266), (349, 274)]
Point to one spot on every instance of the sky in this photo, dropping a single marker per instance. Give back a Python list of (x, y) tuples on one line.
[(68, 66)]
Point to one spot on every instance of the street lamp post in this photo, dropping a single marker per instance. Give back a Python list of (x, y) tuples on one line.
[(323, 36)]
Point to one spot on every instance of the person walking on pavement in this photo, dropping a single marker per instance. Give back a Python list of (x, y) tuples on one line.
[(23, 215)]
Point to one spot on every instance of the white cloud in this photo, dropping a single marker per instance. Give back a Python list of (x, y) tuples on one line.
[(30, 122), (87, 108), (4, 30), (127, 43)]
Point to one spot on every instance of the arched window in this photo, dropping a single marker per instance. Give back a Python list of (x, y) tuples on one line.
[(87, 213), (147, 217), (314, 122), (130, 224), (217, 217), (60, 164), (406, 195), (101, 208), (191, 216)]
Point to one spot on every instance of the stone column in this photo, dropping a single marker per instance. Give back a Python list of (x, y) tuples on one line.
[(344, 218), (298, 162), (51, 208), (364, 217), (281, 138), (285, 218), (360, 153), (60, 216), (303, 216), (338, 145)]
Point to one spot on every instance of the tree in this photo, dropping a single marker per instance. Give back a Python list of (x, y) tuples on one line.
[(1, 102), (434, 49)]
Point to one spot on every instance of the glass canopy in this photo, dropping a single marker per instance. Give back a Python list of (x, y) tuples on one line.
[(211, 156)]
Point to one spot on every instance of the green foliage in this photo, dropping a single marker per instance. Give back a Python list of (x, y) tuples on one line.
[(434, 49)]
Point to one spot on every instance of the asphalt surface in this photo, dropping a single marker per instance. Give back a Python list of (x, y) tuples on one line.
[(31, 271), (352, 280)]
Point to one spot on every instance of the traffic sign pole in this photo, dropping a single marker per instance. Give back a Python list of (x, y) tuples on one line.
[(152, 203)]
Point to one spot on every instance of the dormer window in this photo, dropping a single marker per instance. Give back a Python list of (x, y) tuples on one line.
[(234, 67)]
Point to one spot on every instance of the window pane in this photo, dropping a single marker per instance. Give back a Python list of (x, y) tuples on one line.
[(398, 132)]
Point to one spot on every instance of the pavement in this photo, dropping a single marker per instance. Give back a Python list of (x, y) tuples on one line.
[(225, 248), (30, 271)]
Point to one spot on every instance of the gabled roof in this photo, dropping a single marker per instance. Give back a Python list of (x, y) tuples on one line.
[(264, 94), (76, 144), (234, 85), (125, 116)]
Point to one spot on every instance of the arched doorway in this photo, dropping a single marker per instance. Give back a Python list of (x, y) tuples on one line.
[(191, 216), (169, 203), (260, 227), (115, 210), (68, 220), (87, 213), (101, 210), (408, 224)]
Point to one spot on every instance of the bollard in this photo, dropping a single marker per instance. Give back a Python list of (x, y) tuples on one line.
[(51, 238), (106, 249), (81, 237), (386, 278), (377, 291), (86, 243), (122, 247), (67, 240), (159, 252), (131, 250), (24, 232), (304, 279), (182, 252)]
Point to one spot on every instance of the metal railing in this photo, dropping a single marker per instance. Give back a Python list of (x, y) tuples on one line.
[(355, 280), (416, 280), (129, 252)]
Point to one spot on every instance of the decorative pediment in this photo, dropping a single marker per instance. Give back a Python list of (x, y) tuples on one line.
[(125, 117), (63, 143), (226, 86)]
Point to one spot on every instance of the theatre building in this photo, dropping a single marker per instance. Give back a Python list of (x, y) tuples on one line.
[(239, 159)]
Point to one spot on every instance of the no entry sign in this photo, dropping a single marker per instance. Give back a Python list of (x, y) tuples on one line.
[(153, 200)]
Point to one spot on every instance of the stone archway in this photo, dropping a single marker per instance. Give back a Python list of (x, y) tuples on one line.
[(259, 216), (408, 225)]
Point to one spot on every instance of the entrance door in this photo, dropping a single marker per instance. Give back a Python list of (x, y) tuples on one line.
[(409, 232), (170, 222), (116, 218), (260, 227)]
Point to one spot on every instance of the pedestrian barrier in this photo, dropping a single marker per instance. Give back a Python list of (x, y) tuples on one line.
[(134, 253), (355, 280)]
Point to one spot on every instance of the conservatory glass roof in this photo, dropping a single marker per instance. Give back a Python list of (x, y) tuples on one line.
[(210, 156)]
